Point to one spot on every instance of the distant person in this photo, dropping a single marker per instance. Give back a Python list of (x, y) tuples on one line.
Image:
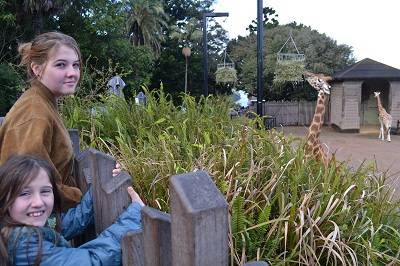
[(29, 196), (33, 125)]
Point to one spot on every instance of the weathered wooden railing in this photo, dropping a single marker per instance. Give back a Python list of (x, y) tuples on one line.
[(195, 233)]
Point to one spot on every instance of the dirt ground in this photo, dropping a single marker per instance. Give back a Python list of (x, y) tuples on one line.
[(357, 147)]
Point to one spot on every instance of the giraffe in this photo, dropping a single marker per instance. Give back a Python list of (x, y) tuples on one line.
[(313, 147), (385, 119)]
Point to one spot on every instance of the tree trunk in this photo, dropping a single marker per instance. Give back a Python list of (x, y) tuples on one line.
[(37, 22)]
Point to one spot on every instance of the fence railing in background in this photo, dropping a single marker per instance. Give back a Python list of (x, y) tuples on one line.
[(195, 233), (288, 113)]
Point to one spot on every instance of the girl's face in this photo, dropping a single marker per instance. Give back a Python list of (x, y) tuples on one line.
[(35, 202), (60, 74)]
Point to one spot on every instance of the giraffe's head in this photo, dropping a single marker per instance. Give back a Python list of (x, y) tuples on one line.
[(318, 82), (376, 94)]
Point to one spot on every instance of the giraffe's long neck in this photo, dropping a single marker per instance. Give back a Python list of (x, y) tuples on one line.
[(380, 107), (318, 119)]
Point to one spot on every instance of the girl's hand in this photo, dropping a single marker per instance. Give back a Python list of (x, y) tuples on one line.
[(117, 170), (134, 196)]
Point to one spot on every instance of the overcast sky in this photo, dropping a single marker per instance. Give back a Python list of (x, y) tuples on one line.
[(372, 28)]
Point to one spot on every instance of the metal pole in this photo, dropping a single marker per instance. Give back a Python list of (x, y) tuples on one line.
[(205, 53), (205, 57), (260, 59)]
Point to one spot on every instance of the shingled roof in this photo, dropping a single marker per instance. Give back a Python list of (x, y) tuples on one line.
[(368, 69)]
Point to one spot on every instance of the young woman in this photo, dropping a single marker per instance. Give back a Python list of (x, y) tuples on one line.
[(28, 196), (33, 125)]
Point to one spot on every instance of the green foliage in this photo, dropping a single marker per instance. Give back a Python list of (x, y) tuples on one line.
[(226, 75), (283, 209), (11, 85), (322, 55), (290, 71)]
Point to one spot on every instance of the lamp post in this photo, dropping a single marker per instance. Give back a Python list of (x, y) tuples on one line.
[(205, 53), (260, 59)]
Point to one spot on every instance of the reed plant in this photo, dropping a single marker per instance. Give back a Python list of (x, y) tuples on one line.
[(283, 209)]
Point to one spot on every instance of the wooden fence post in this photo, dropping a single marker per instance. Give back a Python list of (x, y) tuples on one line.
[(74, 136), (110, 197), (256, 263), (132, 249), (199, 221), (156, 237)]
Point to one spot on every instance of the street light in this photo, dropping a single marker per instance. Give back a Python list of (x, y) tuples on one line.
[(205, 53)]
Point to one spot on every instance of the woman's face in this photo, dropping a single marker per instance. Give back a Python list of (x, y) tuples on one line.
[(35, 202), (60, 74)]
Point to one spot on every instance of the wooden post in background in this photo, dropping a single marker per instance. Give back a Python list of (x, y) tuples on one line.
[(156, 237), (110, 197), (199, 221), (74, 136)]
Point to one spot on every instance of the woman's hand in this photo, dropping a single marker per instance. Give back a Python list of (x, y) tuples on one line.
[(134, 196), (117, 170)]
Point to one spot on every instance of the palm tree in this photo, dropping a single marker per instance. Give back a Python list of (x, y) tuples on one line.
[(187, 35), (41, 8), (145, 23)]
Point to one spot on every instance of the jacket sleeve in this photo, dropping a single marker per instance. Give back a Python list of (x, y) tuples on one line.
[(104, 250), (76, 219)]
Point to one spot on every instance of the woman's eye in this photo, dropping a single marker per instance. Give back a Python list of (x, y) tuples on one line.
[(61, 65), (76, 66)]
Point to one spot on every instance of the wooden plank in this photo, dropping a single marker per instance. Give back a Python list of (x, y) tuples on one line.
[(256, 263), (110, 197), (156, 237), (132, 249), (199, 222), (74, 136)]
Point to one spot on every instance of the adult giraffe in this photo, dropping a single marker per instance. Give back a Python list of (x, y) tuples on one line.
[(313, 147), (385, 119)]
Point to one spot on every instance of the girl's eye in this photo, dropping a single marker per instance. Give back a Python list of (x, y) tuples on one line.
[(61, 65), (77, 66), (47, 191), (24, 194)]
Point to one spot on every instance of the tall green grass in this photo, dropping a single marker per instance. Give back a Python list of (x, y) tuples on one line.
[(283, 209)]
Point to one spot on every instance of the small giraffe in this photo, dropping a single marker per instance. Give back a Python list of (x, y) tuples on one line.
[(385, 119), (313, 147)]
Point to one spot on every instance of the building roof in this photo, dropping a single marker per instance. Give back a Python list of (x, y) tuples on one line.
[(368, 69)]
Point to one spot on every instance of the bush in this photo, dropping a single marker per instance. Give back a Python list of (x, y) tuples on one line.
[(11, 85), (282, 208)]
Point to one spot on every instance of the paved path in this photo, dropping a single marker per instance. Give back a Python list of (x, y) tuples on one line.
[(357, 147)]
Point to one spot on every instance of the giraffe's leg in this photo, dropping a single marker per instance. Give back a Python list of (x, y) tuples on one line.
[(381, 135), (388, 134)]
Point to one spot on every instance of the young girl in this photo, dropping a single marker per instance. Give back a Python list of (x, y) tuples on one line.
[(28, 196), (33, 125)]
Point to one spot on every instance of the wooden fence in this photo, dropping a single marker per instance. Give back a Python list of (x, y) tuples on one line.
[(296, 113), (194, 233)]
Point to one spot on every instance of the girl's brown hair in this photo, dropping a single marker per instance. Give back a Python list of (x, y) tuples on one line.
[(16, 173), (39, 50)]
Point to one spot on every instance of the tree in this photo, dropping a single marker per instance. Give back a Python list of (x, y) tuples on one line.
[(146, 20), (269, 19), (39, 9), (322, 53), (186, 35)]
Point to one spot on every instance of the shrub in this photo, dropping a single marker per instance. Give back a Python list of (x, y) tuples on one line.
[(282, 208)]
